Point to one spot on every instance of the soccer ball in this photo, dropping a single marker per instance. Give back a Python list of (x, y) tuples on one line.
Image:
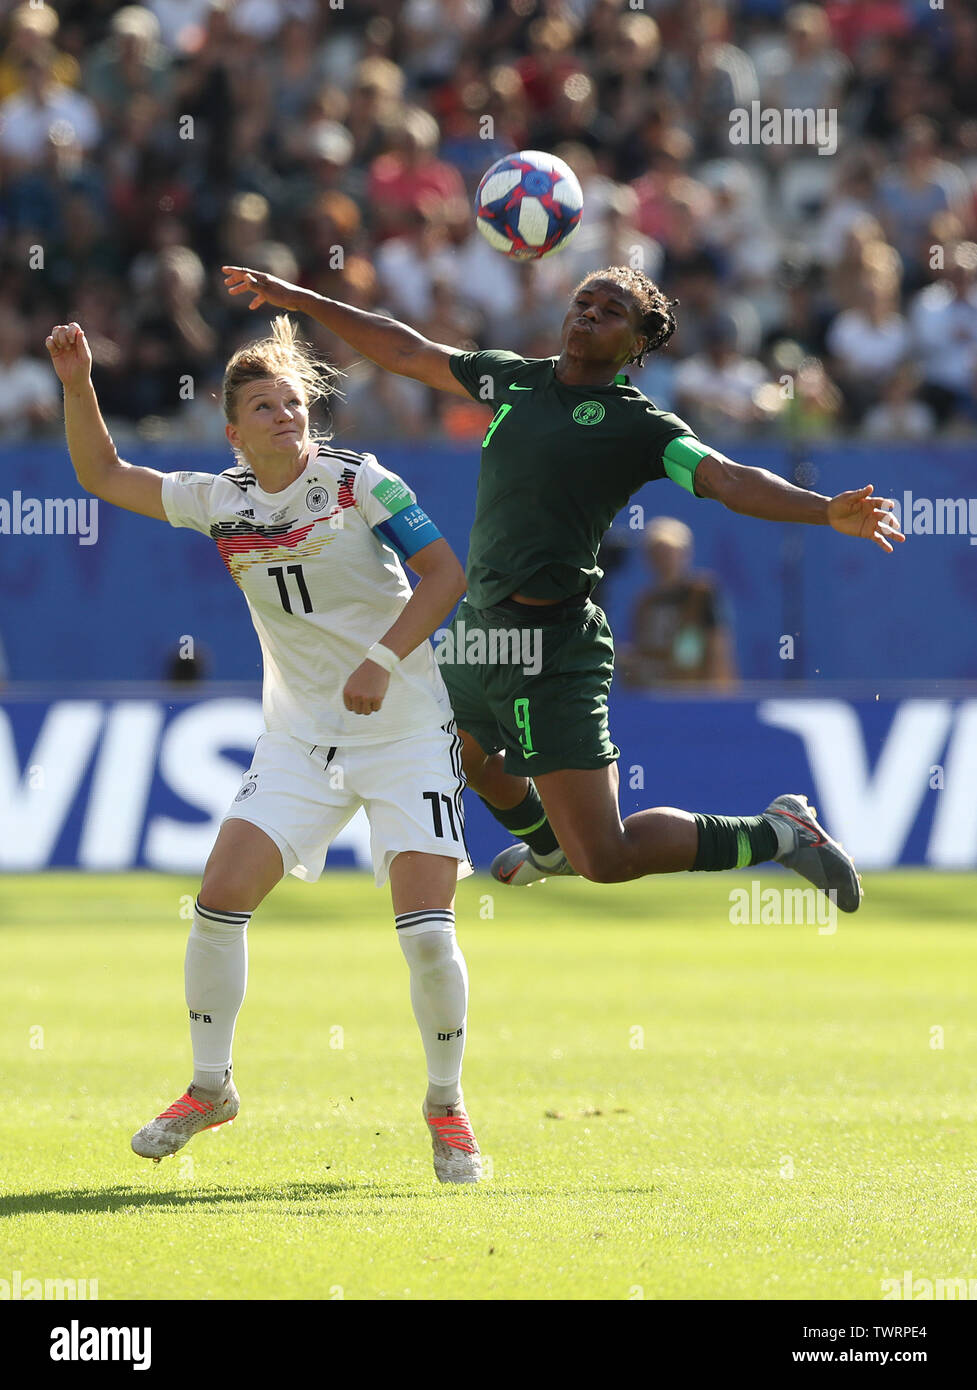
[(528, 205)]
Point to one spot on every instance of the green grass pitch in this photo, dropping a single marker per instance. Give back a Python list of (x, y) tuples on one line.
[(673, 1107)]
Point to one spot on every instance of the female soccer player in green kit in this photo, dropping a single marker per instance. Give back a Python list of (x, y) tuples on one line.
[(569, 444)]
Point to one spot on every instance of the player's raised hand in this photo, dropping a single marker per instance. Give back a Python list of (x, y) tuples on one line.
[(70, 354), (869, 518), (366, 687), (267, 289)]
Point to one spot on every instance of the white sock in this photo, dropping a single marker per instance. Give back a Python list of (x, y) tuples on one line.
[(439, 995), (784, 831), (551, 860), (216, 976)]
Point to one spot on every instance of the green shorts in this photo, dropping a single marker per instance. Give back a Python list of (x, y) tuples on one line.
[(534, 681)]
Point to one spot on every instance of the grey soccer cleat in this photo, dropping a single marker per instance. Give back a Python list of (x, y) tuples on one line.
[(457, 1157), (196, 1109), (808, 849), (518, 865)]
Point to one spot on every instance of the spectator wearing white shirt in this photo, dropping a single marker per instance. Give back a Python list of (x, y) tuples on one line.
[(180, 21), (481, 276), (706, 73), (369, 404), (917, 187), (598, 188), (943, 326), (130, 63), (866, 253), (716, 390), (809, 72), (434, 35), (407, 265), (738, 225), (610, 237), (29, 395), (868, 342), (900, 415), (27, 119), (852, 199), (452, 318), (261, 20)]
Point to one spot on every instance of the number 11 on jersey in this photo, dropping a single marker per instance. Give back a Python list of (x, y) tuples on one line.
[(296, 570)]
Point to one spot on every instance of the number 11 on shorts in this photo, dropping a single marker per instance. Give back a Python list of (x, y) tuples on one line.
[(520, 711)]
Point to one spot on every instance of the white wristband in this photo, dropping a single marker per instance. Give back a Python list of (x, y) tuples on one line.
[(383, 656)]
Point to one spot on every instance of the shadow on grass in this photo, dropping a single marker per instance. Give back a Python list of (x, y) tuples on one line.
[(121, 1197)]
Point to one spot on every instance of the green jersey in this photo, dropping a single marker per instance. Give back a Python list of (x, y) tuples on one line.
[(558, 463)]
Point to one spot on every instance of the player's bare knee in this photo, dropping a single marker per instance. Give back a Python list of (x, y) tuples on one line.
[(215, 895), (224, 891)]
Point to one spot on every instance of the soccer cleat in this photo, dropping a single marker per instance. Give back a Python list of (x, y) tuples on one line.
[(813, 854), (457, 1157), (518, 865), (196, 1109)]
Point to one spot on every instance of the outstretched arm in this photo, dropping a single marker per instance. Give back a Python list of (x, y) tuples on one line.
[(99, 468), (755, 492), (390, 344)]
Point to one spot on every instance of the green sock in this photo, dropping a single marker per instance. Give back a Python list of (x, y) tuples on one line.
[(528, 822), (734, 842)]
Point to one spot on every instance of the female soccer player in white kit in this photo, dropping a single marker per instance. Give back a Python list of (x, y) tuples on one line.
[(312, 534)]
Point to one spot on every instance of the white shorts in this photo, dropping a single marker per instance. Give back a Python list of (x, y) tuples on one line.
[(301, 795)]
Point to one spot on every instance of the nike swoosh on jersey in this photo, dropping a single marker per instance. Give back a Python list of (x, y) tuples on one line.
[(520, 388)]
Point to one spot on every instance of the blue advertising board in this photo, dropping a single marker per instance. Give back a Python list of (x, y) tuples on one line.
[(107, 782), (116, 603)]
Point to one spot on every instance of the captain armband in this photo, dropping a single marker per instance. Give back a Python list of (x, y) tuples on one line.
[(408, 531), (682, 457)]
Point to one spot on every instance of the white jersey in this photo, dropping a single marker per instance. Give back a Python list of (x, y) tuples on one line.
[(323, 583)]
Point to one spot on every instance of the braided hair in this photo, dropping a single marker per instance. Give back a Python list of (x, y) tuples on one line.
[(655, 308)]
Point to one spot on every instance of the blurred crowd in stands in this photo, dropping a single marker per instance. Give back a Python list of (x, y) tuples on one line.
[(338, 143)]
